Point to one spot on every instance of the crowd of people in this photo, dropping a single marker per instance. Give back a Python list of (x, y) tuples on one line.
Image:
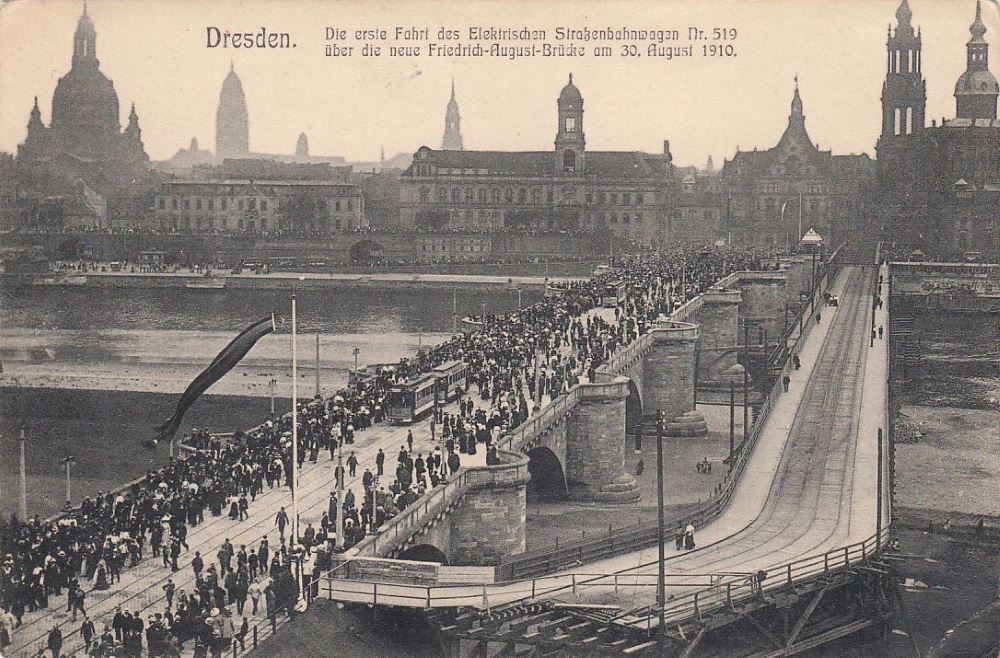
[(518, 357)]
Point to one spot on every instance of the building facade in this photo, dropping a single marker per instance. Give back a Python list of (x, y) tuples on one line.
[(939, 185), (773, 197), (566, 188), (84, 146), (259, 206)]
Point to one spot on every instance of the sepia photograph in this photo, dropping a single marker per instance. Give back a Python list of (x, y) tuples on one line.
[(499, 329)]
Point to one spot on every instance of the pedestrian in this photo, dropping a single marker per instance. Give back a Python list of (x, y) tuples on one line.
[(352, 464), (785, 381), (880, 332), (55, 641), (281, 520), (796, 362)]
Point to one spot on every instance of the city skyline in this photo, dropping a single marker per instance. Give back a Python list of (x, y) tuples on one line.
[(405, 107)]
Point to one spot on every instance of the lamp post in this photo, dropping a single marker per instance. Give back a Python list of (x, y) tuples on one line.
[(271, 386), (68, 461), (356, 351), (661, 594), (23, 510), (318, 395)]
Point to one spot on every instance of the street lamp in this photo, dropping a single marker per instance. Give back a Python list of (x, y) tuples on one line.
[(813, 241), (68, 461), (356, 351), (24, 483)]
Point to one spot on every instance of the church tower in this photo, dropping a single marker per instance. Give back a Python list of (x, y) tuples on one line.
[(452, 125), (232, 125), (976, 90), (904, 92), (570, 141)]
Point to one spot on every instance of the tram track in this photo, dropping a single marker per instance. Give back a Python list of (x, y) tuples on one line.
[(822, 446)]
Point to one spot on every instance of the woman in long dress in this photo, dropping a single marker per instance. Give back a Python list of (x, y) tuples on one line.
[(100, 581), (689, 537)]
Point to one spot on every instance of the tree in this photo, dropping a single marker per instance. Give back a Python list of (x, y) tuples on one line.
[(300, 211)]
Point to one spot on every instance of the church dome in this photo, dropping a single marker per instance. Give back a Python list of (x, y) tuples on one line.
[(979, 81), (569, 93), (85, 97)]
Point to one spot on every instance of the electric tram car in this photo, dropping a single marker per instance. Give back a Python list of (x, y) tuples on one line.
[(452, 379), (406, 403), (409, 402), (613, 294)]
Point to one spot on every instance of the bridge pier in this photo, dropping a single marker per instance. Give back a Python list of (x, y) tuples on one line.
[(762, 307), (668, 379), (718, 329), (595, 446), (491, 522)]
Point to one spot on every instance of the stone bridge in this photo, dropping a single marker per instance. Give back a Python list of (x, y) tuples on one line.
[(575, 447)]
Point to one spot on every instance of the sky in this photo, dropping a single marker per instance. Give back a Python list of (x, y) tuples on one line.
[(155, 52)]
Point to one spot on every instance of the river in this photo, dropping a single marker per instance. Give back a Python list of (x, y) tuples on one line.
[(89, 372)]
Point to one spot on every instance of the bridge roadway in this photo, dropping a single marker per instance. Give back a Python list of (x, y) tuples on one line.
[(805, 502), (140, 589)]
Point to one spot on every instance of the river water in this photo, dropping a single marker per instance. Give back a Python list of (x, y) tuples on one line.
[(149, 343)]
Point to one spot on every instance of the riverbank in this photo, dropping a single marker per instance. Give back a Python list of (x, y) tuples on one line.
[(198, 283), (104, 432), (167, 361)]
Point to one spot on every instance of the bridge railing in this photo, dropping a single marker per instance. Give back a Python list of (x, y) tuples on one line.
[(414, 517), (699, 594)]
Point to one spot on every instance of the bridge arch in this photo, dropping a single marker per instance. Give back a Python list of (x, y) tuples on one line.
[(548, 477), (424, 553), (366, 252)]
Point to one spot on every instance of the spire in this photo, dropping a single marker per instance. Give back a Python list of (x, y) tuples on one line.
[(132, 131), (35, 124), (977, 28), (85, 42), (904, 14), (302, 146), (452, 140), (797, 100)]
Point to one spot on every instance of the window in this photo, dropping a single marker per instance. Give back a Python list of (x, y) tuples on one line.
[(522, 195), (253, 204), (482, 195), (627, 198), (263, 204), (336, 205), (162, 203), (239, 205), (569, 161), (224, 204), (187, 204), (638, 199), (442, 194), (571, 124), (211, 204), (454, 195), (197, 204), (425, 195), (496, 195), (509, 195), (469, 194), (173, 203)]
